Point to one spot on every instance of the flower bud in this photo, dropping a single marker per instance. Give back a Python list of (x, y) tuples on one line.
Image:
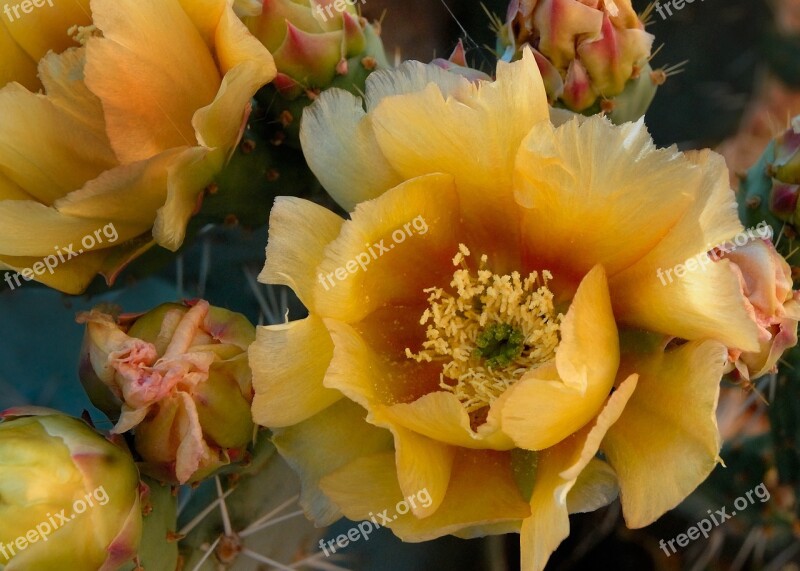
[(589, 53), (178, 376), (70, 498)]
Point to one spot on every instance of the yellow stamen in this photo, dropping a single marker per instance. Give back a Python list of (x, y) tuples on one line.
[(490, 332)]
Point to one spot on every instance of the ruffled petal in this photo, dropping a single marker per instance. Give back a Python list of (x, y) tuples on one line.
[(246, 65), (321, 445), (152, 71), (552, 402), (473, 136), (667, 442), (557, 471), (704, 303), (582, 184), (341, 149), (299, 232), (393, 248), (441, 416), (369, 486), (287, 376), (33, 123)]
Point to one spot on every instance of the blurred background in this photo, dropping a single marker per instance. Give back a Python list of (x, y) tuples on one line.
[(733, 55)]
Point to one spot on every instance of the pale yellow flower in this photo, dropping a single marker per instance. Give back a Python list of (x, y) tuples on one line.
[(131, 128), (492, 353)]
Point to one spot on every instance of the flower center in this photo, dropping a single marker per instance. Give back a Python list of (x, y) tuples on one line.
[(489, 332)]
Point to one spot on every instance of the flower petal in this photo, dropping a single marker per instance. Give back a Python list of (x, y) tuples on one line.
[(287, 377), (31, 123), (246, 65), (72, 276), (591, 170), (422, 464), (441, 416), (704, 304), (299, 232), (152, 70), (557, 471), (552, 402), (17, 65), (324, 443), (45, 28), (472, 136), (369, 486), (341, 149), (666, 442), (393, 248)]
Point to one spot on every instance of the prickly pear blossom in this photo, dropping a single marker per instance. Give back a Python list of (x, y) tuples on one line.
[(520, 361), (70, 498), (118, 136), (177, 376), (593, 54)]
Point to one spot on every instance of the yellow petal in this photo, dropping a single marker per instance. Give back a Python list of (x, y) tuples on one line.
[(16, 64), (62, 76), (28, 228), (46, 151), (72, 276), (299, 232), (596, 487), (188, 175), (246, 65), (543, 408), (417, 131), (583, 185), (338, 137), (706, 303), (390, 250), (288, 363), (667, 442), (422, 464), (474, 137), (324, 443), (152, 70), (557, 471), (440, 415), (368, 487), (44, 28), (342, 151), (112, 195)]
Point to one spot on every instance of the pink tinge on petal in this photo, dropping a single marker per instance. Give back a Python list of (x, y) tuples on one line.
[(766, 283), (192, 450)]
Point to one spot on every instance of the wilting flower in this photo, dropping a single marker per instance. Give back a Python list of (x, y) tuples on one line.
[(177, 375), (593, 54), (515, 356), (70, 498), (134, 123), (766, 280)]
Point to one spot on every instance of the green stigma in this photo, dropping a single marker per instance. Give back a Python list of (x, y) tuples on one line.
[(499, 344)]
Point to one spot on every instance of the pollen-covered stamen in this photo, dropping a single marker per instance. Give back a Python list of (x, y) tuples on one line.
[(489, 332)]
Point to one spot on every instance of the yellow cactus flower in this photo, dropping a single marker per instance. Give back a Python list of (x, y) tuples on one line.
[(135, 120), (488, 326)]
